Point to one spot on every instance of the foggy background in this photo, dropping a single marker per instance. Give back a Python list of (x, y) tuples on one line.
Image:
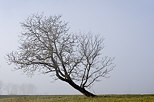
[(126, 25)]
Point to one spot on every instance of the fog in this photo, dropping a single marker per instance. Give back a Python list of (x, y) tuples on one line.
[(126, 25), (16, 89)]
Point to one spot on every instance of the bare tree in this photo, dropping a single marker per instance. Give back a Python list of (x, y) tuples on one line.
[(27, 89), (47, 45), (1, 87), (8, 88)]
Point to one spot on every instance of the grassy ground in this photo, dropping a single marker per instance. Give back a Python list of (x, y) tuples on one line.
[(78, 98)]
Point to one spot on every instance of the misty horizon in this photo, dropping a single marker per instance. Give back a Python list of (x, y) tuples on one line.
[(127, 27)]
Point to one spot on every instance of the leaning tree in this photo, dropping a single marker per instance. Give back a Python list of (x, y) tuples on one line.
[(47, 45)]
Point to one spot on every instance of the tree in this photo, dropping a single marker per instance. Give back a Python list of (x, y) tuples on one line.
[(47, 45), (1, 87), (27, 89)]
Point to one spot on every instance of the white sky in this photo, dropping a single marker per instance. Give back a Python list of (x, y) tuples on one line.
[(127, 26)]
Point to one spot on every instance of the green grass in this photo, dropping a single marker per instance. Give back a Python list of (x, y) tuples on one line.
[(79, 98)]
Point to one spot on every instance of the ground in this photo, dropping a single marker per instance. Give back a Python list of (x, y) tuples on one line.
[(78, 98)]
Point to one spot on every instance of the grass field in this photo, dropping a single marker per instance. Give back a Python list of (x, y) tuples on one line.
[(78, 98)]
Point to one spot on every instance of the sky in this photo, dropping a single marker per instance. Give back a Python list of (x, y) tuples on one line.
[(126, 25)]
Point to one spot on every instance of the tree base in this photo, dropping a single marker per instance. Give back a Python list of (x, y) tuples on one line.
[(82, 90)]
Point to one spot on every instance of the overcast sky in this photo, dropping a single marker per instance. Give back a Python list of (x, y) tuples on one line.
[(128, 29)]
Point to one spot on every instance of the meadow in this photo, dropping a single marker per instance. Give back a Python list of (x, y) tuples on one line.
[(78, 98)]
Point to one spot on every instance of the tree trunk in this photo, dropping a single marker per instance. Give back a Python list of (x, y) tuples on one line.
[(80, 89)]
